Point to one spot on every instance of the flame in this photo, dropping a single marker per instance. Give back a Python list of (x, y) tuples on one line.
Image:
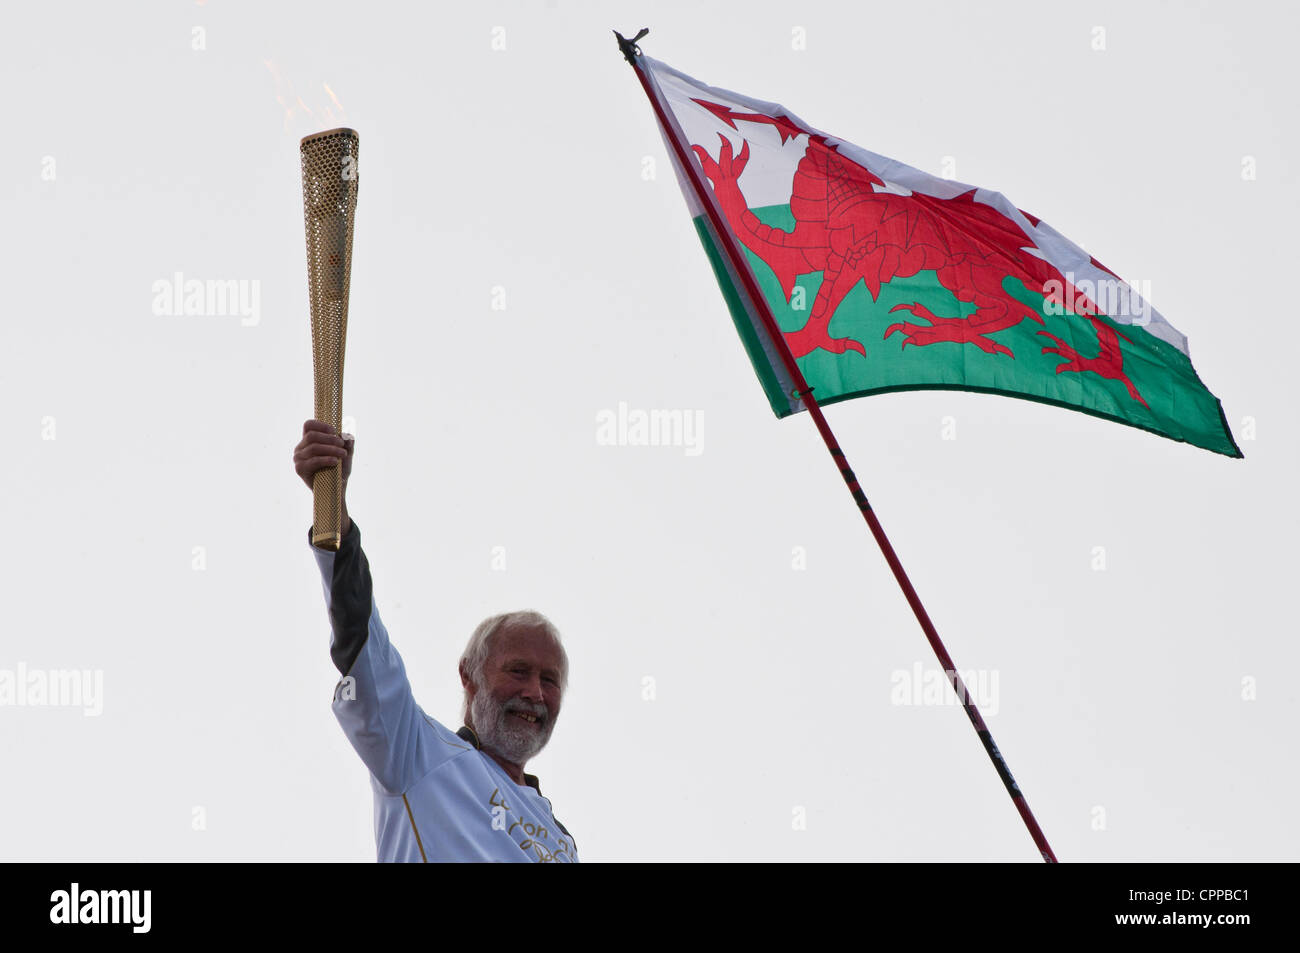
[(294, 106), (333, 97)]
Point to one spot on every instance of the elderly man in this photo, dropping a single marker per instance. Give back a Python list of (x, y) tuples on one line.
[(441, 795)]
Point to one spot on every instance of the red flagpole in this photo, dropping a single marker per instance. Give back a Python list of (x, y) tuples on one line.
[(804, 393)]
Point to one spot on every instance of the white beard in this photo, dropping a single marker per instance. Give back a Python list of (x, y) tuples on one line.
[(500, 732)]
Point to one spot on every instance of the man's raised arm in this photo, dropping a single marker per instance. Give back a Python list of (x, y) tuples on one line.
[(372, 700)]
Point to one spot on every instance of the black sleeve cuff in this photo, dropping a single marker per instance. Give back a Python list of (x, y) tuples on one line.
[(351, 601)]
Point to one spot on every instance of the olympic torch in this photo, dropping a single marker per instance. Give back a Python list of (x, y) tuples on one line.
[(329, 208)]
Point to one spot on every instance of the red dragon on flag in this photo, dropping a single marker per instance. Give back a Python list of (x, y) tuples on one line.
[(852, 227)]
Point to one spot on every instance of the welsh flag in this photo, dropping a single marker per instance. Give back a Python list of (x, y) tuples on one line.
[(882, 278)]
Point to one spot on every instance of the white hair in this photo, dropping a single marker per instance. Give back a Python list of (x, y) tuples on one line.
[(474, 659)]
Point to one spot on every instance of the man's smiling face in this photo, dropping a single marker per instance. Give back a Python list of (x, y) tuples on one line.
[(514, 705)]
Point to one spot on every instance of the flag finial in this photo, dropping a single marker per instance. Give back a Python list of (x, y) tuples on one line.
[(630, 50)]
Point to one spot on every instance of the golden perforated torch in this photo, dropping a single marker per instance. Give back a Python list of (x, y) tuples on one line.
[(329, 208)]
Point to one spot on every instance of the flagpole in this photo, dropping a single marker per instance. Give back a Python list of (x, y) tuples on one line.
[(804, 392)]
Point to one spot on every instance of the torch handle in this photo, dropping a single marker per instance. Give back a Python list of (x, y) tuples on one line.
[(327, 507)]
